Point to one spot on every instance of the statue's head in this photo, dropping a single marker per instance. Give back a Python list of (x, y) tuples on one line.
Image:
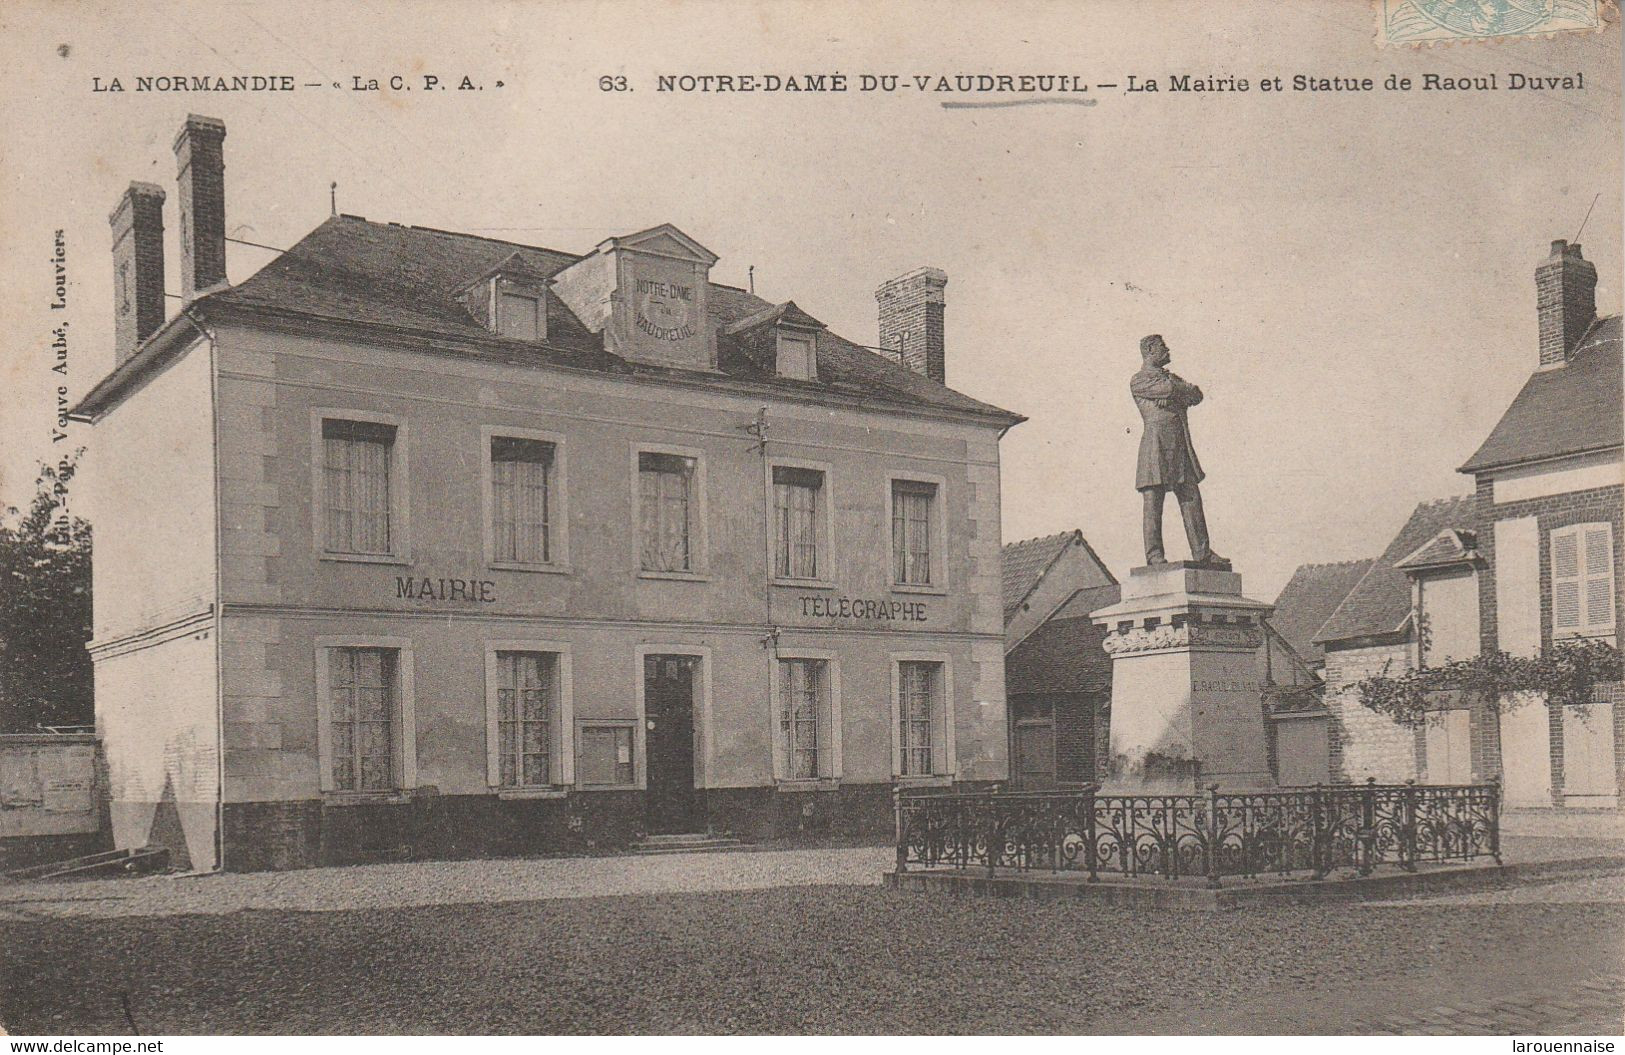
[(1154, 350)]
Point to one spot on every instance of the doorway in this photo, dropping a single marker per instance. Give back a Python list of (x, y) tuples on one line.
[(668, 701)]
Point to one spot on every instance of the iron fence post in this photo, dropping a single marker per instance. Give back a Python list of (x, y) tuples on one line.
[(1407, 832), (995, 840), (1213, 836), (965, 826), (1089, 832), (1368, 826), (1320, 853), (902, 845), (1495, 818)]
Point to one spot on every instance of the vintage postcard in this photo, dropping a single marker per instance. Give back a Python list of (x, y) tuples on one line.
[(784, 518)]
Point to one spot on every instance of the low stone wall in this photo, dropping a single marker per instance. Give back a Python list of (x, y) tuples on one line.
[(50, 799)]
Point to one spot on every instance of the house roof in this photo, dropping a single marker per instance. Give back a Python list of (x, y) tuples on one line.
[(1024, 564), (1310, 597), (1450, 546), (1569, 409), (788, 313), (1380, 603), (1065, 654), (355, 272)]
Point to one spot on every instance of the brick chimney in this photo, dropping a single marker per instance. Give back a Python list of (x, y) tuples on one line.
[(911, 313), (1566, 300), (138, 267), (202, 179)]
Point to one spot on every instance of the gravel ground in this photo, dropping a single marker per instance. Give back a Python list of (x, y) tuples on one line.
[(1588, 824), (416, 883), (800, 959), (1585, 889)]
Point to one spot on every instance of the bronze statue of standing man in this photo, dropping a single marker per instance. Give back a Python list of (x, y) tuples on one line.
[(1167, 459)]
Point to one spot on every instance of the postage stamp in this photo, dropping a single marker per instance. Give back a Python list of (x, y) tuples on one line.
[(1432, 21)]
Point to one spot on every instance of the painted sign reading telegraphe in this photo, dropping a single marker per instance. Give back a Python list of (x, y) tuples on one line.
[(868, 609)]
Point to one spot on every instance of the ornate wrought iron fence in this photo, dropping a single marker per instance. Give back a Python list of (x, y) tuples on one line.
[(1212, 834)]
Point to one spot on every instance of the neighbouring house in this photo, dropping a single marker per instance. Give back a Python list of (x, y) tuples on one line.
[(1373, 631), (421, 542), (1550, 509), (1531, 558), (1058, 678), (1058, 675), (1308, 600)]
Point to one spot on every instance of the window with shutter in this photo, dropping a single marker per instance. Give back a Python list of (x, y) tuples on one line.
[(356, 474), (363, 711), (519, 316), (919, 690), (1582, 565), (913, 511), (521, 479), (804, 717), (527, 688), (665, 484), (798, 521)]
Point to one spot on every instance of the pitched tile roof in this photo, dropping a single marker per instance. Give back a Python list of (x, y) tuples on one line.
[(1310, 597), (1025, 562), (1450, 546), (1567, 410), (1065, 654), (1380, 602), (352, 270)]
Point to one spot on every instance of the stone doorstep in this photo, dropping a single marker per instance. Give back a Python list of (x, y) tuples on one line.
[(1154, 892)]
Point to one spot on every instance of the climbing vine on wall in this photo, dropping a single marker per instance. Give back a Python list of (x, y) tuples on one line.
[(1566, 673)]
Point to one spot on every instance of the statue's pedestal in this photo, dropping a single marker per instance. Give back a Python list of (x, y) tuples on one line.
[(1187, 693)]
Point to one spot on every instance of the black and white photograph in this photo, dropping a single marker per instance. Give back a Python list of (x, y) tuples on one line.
[(535, 518)]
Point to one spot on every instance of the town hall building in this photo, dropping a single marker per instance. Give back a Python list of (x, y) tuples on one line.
[(417, 543)]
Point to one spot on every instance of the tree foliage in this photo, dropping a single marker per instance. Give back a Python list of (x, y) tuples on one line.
[(45, 672), (1567, 673)]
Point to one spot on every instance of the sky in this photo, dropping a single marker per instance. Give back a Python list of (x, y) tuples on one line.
[(1348, 276)]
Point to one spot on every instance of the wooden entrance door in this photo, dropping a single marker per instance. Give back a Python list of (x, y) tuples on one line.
[(668, 701), (1588, 756), (1035, 755), (1526, 752), (1449, 755)]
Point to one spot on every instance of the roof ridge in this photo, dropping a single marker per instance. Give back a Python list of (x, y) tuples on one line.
[(1043, 538), (462, 234), (1334, 563)]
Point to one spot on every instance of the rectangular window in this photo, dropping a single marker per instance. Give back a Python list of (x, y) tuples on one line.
[(527, 691), (665, 504), (605, 758), (356, 476), (913, 509), (1583, 580), (804, 716), (521, 481), (519, 316), (363, 702), (919, 699), (798, 521), (795, 357)]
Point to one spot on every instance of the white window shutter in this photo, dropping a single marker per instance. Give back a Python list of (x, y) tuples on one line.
[(1599, 577), (1566, 577)]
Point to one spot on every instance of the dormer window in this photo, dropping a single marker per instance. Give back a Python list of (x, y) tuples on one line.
[(519, 315), (795, 357), (510, 299)]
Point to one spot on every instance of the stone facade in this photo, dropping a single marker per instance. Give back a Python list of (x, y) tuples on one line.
[(226, 613), (1363, 743)]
